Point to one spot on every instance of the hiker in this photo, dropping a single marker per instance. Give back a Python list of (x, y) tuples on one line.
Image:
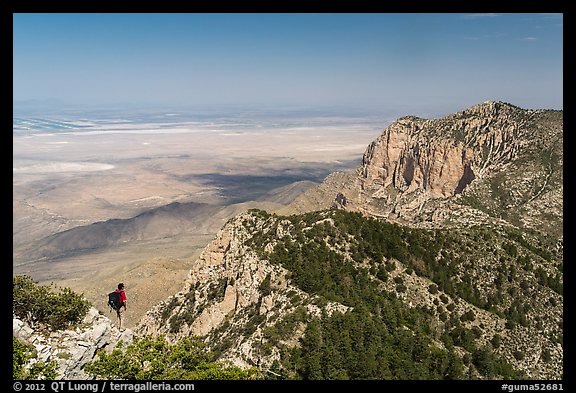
[(122, 309)]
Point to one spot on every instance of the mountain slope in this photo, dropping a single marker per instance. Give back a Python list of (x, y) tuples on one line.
[(452, 269), (164, 221), (267, 284)]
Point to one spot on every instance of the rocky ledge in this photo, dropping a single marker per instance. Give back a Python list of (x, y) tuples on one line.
[(71, 349)]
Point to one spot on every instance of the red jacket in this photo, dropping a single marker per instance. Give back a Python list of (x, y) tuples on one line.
[(122, 297)]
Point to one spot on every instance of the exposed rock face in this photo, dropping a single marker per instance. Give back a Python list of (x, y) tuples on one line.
[(232, 295), (442, 156), (416, 162), (399, 159), (493, 162), (72, 349)]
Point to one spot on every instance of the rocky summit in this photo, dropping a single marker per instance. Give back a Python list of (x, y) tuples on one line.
[(493, 162)]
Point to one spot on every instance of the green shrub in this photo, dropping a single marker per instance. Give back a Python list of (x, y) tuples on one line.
[(175, 323), (468, 316), (149, 358), (510, 249), (21, 353), (496, 341), (382, 274), (518, 355), (167, 311), (35, 303), (264, 287)]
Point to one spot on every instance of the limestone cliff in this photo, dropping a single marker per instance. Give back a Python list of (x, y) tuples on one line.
[(491, 163), (442, 156)]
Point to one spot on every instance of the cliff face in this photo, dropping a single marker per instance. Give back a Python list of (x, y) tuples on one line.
[(491, 162), (402, 160), (440, 157)]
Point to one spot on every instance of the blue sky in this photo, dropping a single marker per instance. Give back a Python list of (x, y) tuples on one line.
[(428, 62)]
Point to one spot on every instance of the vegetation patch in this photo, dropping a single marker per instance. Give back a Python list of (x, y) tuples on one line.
[(54, 308), (345, 257), (149, 358), (21, 354)]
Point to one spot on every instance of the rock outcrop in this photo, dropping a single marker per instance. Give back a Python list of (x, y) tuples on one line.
[(400, 159), (72, 349), (442, 156), (490, 162), (232, 295)]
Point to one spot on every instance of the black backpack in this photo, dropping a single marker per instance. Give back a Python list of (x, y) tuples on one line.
[(114, 300)]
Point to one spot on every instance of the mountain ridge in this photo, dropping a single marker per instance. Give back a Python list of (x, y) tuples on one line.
[(249, 297), (446, 178), (440, 257)]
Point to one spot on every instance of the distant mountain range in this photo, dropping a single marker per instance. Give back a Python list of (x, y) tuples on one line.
[(163, 222)]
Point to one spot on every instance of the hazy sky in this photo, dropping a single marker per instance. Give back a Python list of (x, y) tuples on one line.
[(440, 62)]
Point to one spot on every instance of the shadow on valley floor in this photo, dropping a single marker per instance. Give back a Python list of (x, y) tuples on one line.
[(238, 188)]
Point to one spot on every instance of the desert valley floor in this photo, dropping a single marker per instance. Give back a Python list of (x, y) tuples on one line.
[(69, 174)]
